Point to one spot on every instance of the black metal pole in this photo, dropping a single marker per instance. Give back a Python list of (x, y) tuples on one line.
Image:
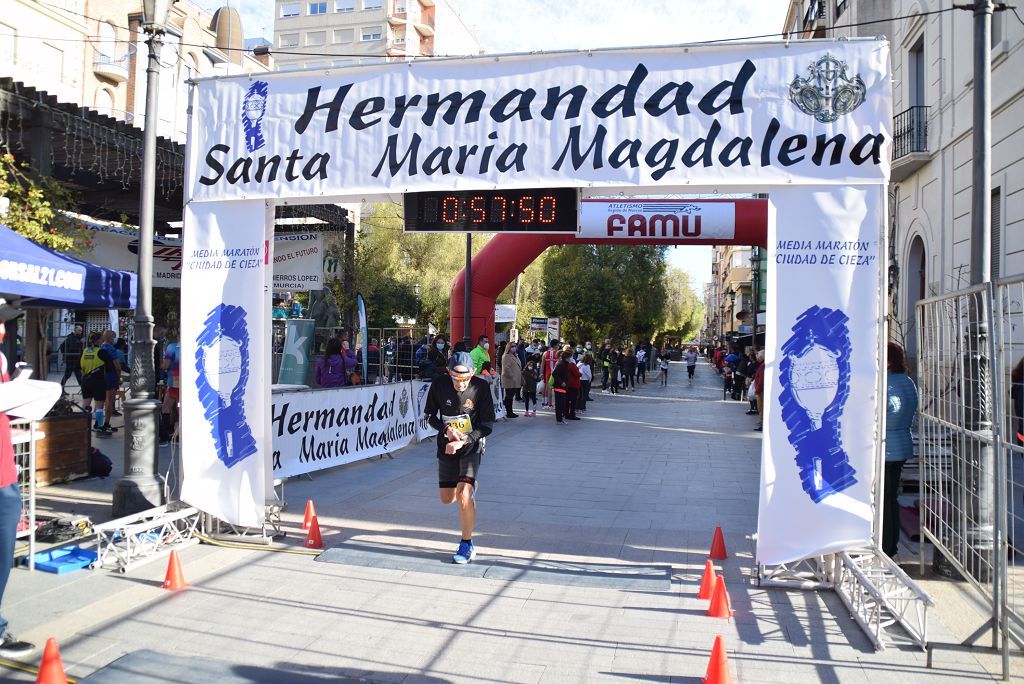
[(467, 299), (139, 488)]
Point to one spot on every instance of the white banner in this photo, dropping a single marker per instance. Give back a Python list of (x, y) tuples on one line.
[(504, 313), (822, 352), (117, 248), (326, 428), (224, 360), (298, 257), (652, 219), (770, 113), (298, 262), (423, 428)]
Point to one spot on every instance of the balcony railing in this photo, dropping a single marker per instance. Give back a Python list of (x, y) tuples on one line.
[(111, 60), (910, 132)]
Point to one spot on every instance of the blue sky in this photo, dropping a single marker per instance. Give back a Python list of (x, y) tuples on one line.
[(529, 25)]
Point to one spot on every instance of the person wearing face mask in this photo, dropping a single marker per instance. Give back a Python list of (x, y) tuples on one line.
[(578, 354), (437, 358), (480, 355), (511, 377)]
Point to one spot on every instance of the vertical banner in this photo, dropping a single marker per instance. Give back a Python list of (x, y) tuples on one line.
[(225, 350), (364, 338), (298, 340), (419, 393), (822, 349)]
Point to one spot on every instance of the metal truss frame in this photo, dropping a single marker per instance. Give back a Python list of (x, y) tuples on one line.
[(134, 540)]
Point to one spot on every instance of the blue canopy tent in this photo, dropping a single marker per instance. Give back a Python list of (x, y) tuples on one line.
[(33, 276)]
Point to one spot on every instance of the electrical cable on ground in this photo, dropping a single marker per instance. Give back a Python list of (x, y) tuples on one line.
[(256, 547), (25, 667)]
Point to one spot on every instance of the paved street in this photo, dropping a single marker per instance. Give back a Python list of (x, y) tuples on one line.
[(568, 517)]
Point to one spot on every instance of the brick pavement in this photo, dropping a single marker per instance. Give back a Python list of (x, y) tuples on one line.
[(642, 480)]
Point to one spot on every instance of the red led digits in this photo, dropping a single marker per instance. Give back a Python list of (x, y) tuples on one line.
[(499, 209), (450, 209), (547, 209), (477, 212), (526, 209)]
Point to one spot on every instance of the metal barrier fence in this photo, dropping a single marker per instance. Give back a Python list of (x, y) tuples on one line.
[(394, 359), (971, 459)]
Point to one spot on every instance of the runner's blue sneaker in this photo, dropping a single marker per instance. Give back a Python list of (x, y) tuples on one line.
[(466, 553)]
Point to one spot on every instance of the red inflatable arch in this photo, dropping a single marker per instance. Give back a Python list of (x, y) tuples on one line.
[(508, 254)]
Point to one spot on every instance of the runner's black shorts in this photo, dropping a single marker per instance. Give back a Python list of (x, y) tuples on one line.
[(690, 370), (94, 386), (451, 469)]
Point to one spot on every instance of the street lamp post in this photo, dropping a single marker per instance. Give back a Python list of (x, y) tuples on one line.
[(140, 488)]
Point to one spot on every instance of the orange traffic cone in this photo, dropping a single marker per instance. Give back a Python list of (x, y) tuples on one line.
[(719, 607), (174, 579), (707, 582), (718, 546), (313, 540), (51, 670), (310, 514), (718, 666)]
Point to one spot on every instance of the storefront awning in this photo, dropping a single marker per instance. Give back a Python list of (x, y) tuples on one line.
[(32, 275)]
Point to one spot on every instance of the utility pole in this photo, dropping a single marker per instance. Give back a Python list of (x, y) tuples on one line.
[(467, 299)]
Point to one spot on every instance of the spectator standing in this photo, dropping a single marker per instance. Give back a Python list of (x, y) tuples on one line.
[(560, 384), (511, 377), (602, 357), (752, 368), (613, 370), (641, 363), (549, 359), (330, 368), (628, 364), (71, 349), (372, 362), (529, 391), (111, 378), (480, 355), (572, 389), (586, 366), (171, 365), (900, 409), (759, 390), (437, 358)]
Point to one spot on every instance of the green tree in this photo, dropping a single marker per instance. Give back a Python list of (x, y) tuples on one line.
[(683, 308), (39, 206), (582, 289)]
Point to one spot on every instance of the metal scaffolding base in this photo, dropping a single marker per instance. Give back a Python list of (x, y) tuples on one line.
[(126, 543), (876, 591)]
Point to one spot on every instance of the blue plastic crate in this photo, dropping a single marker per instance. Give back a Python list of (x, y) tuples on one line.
[(66, 559)]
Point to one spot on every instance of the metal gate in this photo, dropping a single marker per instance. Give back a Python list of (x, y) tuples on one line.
[(971, 384)]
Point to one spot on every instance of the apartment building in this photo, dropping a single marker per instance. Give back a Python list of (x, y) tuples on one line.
[(93, 53), (930, 195), (327, 33), (729, 298)]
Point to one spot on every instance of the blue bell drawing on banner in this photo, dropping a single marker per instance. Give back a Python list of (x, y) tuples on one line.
[(815, 378), (222, 368)]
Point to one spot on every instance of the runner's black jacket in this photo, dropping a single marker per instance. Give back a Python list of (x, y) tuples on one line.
[(476, 402)]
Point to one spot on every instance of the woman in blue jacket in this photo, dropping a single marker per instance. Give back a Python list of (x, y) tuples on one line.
[(900, 410)]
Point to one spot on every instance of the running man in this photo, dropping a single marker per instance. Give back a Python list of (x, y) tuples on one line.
[(691, 363), (460, 408)]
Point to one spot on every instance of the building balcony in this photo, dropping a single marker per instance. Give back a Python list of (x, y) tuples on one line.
[(427, 3), (396, 48), (910, 142), (397, 18), (112, 63), (425, 27)]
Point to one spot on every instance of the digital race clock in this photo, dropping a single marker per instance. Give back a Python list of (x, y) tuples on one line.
[(543, 210)]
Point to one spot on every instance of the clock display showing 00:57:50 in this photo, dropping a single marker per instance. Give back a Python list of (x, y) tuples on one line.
[(542, 211)]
